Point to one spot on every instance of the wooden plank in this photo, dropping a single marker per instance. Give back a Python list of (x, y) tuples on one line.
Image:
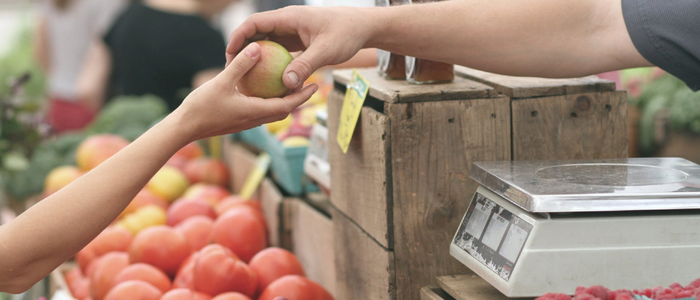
[(402, 92), (271, 204), (364, 269), (240, 161), (526, 87), (361, 183), (433, 146), (312, 242), (589, 125), (434, 293), (469, 287)]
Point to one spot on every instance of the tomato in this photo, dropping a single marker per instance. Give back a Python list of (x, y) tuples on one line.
[(184, 208), (197, 231), (106, 268), (273, 263), (231, 296), (185, 294), (295, 287), (146, 273), (134, 290), (160, 246), (240, 231), (217, 270), (234, 200)]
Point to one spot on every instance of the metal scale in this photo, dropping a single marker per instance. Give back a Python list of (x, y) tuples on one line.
[(549, 226)]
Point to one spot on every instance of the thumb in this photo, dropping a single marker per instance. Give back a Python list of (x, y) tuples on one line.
[(303, 66), (242, 63)]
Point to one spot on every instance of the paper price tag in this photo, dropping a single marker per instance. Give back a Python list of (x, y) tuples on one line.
[(256, 176), (352, 106)]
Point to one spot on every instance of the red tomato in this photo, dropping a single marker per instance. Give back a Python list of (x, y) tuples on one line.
[(146, 273), (183, 208), (240, 231), (106, 268), (134, 290), (217, 270), (185, 294), (273, 263), (295, 287), (160, 246), (231, 296), (197, 231)]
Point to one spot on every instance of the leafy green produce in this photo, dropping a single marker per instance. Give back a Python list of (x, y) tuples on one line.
[(129, 116)]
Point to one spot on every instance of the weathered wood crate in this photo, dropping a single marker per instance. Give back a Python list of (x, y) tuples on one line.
[(403, 187)]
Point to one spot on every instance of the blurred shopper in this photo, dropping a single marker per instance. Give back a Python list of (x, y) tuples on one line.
[(62, 38), (159, 47)]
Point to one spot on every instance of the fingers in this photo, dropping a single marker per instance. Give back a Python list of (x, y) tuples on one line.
[(242, 63), (284, 106), (303, 66)]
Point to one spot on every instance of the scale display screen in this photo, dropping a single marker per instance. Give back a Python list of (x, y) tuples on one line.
[(492, 235)]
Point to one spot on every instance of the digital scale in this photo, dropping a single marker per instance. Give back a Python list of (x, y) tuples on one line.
[(535, 227)]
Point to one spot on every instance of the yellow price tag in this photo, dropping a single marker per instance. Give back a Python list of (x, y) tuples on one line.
[(355, 95), (256, 176)]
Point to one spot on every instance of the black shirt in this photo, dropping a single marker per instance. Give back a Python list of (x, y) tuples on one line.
[(157, 52), (667, 34)]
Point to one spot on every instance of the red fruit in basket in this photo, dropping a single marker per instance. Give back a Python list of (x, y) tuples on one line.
[(209, 192), (185, 294), (190, 151), (80, 288), (554, 296), (134, 290), (142, 199), (98, 148), (160, 246), (72, 275), (586, 296), (146, 273), (178, 162), (295, 287), (207, 170), (217, 270), (106, 268), (186, 208), (273, 263), (111, 239), (597, 291), (85, 257), (240, 231), (196, 230), (231, 296), (233, 201)]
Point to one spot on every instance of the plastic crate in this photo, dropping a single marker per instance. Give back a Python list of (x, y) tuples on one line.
[(287, 164)]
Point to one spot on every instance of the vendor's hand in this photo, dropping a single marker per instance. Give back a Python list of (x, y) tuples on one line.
[(328, 36), (217, 108)]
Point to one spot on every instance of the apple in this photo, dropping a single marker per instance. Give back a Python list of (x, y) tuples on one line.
[(264, 80)]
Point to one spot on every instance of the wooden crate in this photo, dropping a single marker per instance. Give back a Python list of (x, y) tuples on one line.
[(240, 161), (404, 184), (312, 242)]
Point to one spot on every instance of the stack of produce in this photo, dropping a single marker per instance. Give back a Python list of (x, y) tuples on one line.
[(597, 292), (184, 236)]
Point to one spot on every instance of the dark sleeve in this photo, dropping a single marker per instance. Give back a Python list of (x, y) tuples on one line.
[(210, 52), (667, 34)]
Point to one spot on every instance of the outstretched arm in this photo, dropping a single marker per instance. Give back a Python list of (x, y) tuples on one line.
[(52, 231), (529, 37)]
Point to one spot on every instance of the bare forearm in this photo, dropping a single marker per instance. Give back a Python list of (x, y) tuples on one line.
[(53, 230), (529, 37)]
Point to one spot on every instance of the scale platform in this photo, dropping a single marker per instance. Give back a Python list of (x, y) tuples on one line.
[(535, 227)]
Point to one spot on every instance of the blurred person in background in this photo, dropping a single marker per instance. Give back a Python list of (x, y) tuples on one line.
[(159, 47), (62, 38)]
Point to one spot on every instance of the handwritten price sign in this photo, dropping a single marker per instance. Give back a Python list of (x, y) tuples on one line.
[(352, 106)]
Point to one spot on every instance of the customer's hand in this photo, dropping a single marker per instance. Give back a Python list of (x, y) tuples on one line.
[(327, 35), (217, 108)]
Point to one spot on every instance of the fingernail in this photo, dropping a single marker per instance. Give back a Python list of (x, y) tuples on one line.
[(313, 87), (293, 78), (252, 50)]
